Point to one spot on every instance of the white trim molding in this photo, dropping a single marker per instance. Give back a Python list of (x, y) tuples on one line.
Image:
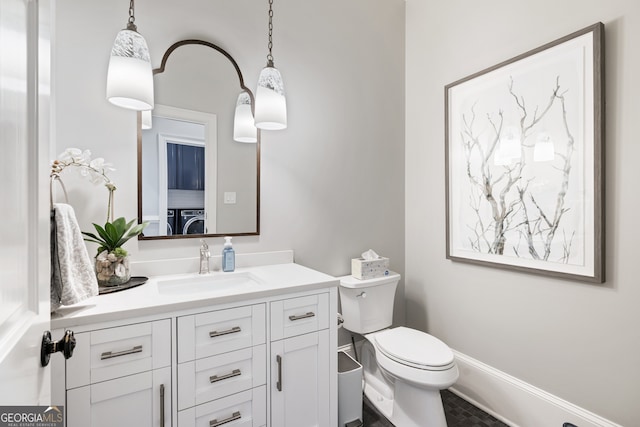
[(516, 402)]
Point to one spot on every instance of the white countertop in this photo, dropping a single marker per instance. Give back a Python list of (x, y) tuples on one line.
[(146, 299)]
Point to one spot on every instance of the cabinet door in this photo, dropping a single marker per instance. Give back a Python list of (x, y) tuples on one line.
[(141, 400), (190, 167), (300, 381), (172, 166), (185, 167)]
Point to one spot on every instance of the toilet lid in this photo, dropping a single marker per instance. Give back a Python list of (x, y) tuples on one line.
[(414, 348)]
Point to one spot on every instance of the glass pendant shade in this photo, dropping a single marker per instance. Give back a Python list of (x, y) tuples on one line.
[(146, 119), (543, 151), (130, 77), (271, 104), (244, 129)]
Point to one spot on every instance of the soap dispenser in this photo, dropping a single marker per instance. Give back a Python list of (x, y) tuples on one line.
[(228, 256)]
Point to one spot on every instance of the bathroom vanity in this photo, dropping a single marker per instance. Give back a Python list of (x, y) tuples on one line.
[(256, 347)]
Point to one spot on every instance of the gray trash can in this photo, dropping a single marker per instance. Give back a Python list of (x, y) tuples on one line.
[(349, 391)]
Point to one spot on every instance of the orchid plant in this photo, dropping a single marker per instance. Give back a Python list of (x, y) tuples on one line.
[(95, 169), (114, 233), (111, 261)]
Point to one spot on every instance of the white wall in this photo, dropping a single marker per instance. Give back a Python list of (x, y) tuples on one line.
[(575, 340), (332, 183)]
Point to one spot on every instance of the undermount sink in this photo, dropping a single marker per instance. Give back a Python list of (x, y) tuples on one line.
[(209, 283)]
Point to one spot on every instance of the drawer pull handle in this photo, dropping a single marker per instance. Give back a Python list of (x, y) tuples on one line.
[(111, 354), (279, 383), (215, 378), (161, 405), (215, 423), (233, 330), (302, 316)]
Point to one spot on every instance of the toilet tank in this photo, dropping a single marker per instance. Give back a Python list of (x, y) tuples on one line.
[(367, 305)]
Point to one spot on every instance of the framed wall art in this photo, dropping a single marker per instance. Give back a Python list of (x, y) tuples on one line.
[(525, 161)]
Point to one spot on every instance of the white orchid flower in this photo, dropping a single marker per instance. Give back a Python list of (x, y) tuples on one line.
[(99, 165), (85, 157), (95, 169), (68, 155)]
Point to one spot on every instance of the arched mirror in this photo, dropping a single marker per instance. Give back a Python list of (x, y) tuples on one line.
[(194, 179)]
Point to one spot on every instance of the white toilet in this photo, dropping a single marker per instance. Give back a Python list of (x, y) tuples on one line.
[(404, 369)]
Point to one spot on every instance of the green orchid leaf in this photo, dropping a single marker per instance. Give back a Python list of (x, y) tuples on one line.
[(100, 230), (120, 226), (100, 242), (113, 235), (93, 236)]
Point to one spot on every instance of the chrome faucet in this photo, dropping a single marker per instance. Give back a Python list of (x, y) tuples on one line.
[(204, 257)]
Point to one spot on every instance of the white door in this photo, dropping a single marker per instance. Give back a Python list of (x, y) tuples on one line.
[(300, 381), (24, 226)]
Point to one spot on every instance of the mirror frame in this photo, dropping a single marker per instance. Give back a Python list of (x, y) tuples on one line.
[(161, 69)]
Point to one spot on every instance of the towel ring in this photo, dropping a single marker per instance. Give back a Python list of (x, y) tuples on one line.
[(64, 190)]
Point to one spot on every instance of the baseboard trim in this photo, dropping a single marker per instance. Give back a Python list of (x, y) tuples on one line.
[(516, 402)]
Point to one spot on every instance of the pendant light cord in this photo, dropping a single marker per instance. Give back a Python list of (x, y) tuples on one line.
[(269, 56), (131, 23)]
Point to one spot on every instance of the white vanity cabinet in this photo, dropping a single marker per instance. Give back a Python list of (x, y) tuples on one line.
[(121, 376), (222, 367), (267, 358), (301, 362)]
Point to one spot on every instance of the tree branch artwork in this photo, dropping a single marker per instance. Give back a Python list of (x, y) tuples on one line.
[(509, 214), (524, 171)]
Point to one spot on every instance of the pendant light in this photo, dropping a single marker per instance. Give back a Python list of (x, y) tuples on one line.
[(271, 104), (146, 120), (244, 129), (130, 78)]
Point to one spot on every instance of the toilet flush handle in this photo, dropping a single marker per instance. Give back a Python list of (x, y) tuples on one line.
[(362, 294)]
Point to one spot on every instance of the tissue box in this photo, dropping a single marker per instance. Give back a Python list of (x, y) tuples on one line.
[(369, 268)]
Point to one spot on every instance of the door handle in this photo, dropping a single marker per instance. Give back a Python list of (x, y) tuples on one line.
[(215, 423), (233, 330), (112, 354), (216, 378), (65, 345), (161, 405), (302, 316), (279, 382)]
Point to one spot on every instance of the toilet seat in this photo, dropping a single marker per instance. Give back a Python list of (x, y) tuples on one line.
[(414, 348)]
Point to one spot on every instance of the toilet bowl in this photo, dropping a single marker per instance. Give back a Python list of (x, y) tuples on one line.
[(404, 369)]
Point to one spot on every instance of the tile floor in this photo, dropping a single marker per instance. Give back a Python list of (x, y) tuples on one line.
[(458, 411)]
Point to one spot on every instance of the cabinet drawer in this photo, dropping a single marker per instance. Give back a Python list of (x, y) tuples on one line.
[(297, 316), (211, 378), (109, 353), (245, 409), (217, 332)]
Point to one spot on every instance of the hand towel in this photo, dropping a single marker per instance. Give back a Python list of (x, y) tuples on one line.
[(72, 274)]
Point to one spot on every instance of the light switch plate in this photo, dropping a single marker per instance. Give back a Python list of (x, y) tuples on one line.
[(229, 197)]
